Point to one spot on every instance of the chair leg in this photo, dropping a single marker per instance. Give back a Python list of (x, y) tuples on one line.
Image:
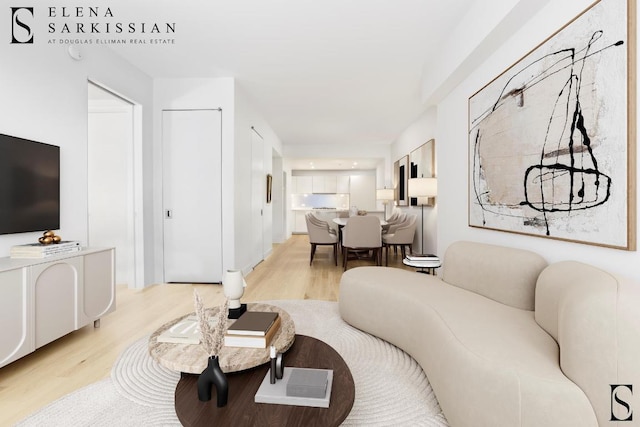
[(313, 251), (335, 253), (345, 255), (387, 255)]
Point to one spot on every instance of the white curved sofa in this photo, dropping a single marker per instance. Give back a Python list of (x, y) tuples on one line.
[(506, 340)]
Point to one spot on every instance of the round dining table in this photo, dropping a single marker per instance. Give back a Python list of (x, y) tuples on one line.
[(341, 222)]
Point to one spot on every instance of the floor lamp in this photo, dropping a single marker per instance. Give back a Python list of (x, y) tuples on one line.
[(386, 195), (423, 189)]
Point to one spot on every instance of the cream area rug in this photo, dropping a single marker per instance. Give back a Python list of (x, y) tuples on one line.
[(391, 388)]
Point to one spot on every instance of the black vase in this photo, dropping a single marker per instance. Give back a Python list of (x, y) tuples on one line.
[(213, 376)]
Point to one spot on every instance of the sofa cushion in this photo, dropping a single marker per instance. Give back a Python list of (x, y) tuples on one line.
[(490, 364), (503, 274)]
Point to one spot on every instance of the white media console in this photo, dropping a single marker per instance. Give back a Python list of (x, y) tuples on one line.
[(44, 299)]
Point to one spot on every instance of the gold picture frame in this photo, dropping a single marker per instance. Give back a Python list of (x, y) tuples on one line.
[(269, 187)]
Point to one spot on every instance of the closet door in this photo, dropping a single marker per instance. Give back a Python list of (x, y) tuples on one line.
[(192, 194)]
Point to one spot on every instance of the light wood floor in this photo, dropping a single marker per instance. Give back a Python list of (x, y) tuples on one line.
[(86, 356)]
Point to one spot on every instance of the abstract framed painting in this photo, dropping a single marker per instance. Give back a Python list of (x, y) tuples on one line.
[(552, 140), (400, 180), (422, 162)]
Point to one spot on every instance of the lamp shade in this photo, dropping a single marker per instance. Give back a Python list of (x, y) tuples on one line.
[(384, 194), (423, 187)]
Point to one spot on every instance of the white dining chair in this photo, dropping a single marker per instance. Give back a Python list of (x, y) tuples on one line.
[(320, 233), (402, 235), (394, 220), (362, 233)]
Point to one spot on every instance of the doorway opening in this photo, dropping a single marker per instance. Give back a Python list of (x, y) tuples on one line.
[(112, 177)]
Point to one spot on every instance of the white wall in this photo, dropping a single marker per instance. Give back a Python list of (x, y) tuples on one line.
[(44, 98), (451, 152), (485, 25), (278, 200), (246, 117)]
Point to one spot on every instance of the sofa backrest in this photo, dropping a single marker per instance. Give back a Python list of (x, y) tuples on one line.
[(595, 318), (503, 274)]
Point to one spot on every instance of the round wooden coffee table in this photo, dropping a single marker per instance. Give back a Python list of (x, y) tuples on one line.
[(241, 410), (192, 359)]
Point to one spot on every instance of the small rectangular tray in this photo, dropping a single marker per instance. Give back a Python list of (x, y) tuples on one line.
[(277, 393)]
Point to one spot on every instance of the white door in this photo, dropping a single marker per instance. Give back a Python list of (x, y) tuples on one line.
[(258, 197), (192, 194)]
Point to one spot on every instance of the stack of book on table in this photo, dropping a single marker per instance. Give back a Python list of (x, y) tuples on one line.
[(38, 250), (254, 329), (426, 260)]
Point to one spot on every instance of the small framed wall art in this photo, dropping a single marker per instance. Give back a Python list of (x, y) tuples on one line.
[(269, 187)]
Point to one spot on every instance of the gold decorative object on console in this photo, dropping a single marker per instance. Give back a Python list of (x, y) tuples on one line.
[(49, 237)]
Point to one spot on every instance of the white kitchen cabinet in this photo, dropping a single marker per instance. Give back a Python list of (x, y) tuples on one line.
[(318, 184), (324, 184), (300, 225), (44, 299), (330, 184), (342, 184), (301, 185)]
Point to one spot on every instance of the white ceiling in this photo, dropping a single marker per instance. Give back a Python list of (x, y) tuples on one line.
[(320, 72)]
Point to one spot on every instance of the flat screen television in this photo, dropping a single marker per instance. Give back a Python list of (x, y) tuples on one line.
[(29, 185)]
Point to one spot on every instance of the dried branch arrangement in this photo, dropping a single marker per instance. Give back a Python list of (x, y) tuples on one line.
[(212, 336)]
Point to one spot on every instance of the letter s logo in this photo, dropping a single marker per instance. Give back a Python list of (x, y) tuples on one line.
[(621, 408), (21, 19)]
